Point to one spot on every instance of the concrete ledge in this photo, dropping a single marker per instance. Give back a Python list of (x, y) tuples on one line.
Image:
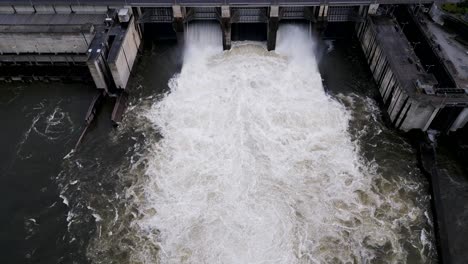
[(44, 9), (7, 10), (24, 9), (63, 9), (89, 9), (59, 29), (45, 42), (43, 58)]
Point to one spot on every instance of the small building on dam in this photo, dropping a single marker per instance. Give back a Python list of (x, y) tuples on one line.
[(422, 74)]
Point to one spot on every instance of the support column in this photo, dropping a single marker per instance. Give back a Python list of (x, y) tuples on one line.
[(273, 22), (226, 26), (323, 13), (178, 23), (373, 9), (431, 118), (321, 22), (136, 11), (461, 120)]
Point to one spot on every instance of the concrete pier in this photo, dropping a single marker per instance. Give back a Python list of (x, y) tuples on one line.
[(178, 22), (99, 69), (273, 22), (226, 26), (123, 54)]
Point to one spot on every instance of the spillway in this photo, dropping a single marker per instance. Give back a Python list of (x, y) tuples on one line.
[(255, 163)]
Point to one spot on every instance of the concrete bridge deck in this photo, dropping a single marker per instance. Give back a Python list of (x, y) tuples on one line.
[(188, 3)]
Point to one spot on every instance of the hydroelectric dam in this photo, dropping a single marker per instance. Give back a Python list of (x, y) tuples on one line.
[(105, 37), (233, 131)]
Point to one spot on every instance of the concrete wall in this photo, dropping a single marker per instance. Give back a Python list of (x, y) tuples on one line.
[(405, 112), (45, 42), (122, 63), (419, 116), (461, 120), (98, 72), (89, 9), (51, 9)]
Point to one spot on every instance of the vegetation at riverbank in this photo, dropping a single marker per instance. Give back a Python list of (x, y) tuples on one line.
[(456, 8)]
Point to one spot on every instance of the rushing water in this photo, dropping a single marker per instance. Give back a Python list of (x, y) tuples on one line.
[(253, 162), (243, 159)]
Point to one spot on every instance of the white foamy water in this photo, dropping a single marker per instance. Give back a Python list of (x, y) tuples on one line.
[(256, 165)]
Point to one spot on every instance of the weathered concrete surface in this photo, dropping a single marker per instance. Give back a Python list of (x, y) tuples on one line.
[(97, 64), (51, 19), (45, 42), (394, 73), (453, 52), (211, 2), (449, 183), (226, 26), (43, 58), (47, 33), (44, 9), (273, 23), (461, 120), (400, 76), (178, 22), (89, 9), (123, 54), (98, 70)]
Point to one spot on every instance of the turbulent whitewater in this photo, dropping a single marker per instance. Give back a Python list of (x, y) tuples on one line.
[(256, 165)]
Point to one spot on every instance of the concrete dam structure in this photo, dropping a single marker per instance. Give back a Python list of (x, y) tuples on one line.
[(103, 38), (239, 147), (71, 35), (408, 91)]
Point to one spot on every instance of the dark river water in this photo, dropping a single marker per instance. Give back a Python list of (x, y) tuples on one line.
[(85, 207)]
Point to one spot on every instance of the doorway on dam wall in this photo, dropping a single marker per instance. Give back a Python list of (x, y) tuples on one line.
[(249, 31), (445, 118)]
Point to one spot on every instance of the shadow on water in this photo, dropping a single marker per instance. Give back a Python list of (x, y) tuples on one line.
[(40, 123)]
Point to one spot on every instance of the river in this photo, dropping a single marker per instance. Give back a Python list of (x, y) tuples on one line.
[(240, 156)]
